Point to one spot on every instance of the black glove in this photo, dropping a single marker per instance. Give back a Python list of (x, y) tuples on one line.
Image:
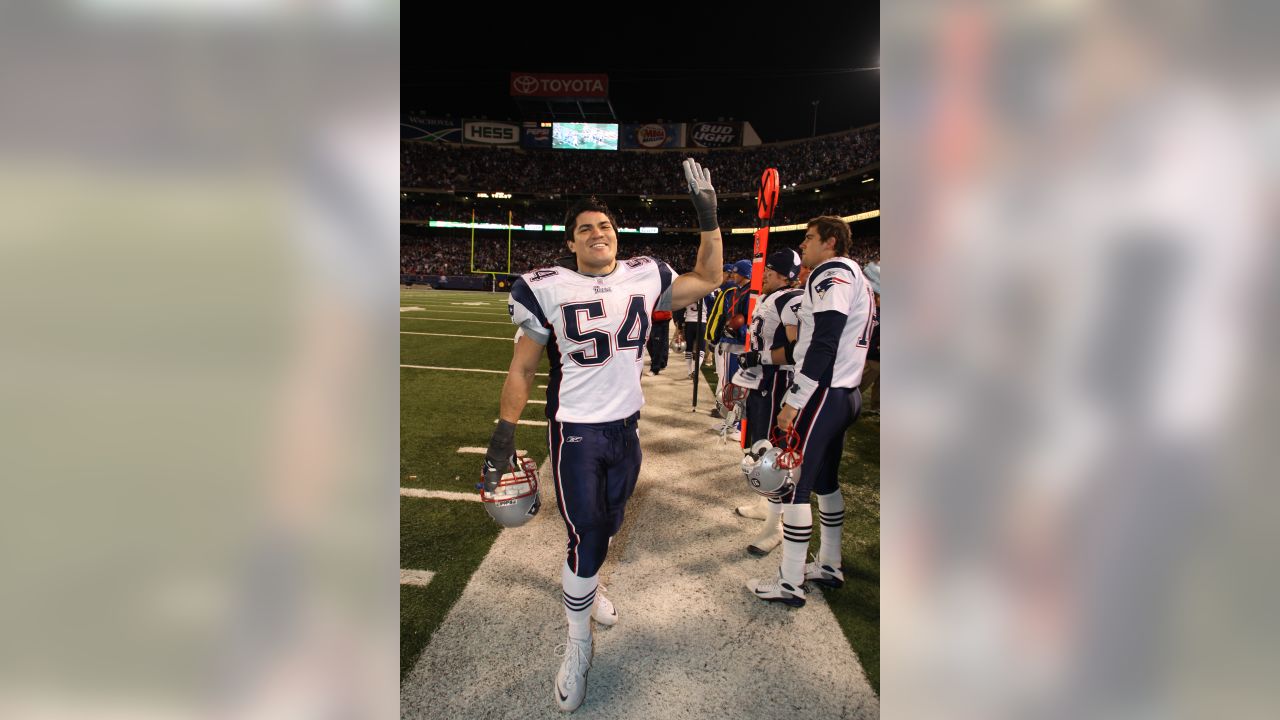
[(500, 456), (749, 359), (702, 193)]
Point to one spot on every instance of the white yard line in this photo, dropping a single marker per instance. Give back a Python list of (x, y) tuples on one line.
[(482, 322), (432, 367), (502, 313), (543, 423), (439, 494), (482, 451), (416, 577), (477, 337)]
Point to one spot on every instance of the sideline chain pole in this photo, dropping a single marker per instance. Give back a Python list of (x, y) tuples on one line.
[(766, 203)]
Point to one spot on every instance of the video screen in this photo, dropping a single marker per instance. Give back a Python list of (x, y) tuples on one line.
[(584, 136)]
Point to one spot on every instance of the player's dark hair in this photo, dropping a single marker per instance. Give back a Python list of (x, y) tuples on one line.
[(589, 204), (832, 226)]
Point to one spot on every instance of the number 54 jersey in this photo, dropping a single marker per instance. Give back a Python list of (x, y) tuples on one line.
[(595, 329)]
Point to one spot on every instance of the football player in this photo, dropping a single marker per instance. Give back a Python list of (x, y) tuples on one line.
[(592, 319), (836, 321), (766, 369)]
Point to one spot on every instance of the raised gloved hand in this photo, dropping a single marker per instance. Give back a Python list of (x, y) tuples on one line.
[(702, 193), (500, 455)]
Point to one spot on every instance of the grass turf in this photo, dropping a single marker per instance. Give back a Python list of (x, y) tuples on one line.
[(442, 411), (449, 538)]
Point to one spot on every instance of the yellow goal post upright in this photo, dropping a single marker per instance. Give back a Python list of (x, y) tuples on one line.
[(495, 284)]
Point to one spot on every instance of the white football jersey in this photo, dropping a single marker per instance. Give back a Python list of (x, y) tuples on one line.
[(837, 284), (595, 330), (776, 310)]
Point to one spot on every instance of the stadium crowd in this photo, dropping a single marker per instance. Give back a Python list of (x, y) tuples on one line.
[(433, 165), (439, 255), (663, 215)]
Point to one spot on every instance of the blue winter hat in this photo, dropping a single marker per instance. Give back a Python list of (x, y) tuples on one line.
[(728, 267), (743, 268)]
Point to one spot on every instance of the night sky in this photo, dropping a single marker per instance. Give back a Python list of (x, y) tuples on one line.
[(707, 69)]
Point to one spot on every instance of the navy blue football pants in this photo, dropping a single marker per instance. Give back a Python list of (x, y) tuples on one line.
[(821, 427), (763, 404), (659, 344), (595, 466)]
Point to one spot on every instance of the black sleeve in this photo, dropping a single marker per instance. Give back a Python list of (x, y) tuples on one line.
[(828, 326), (779, 338)]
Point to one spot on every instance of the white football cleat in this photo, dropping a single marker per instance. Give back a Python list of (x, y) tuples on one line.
[(755, 512), (777, 590), (768, 539), (571, 680), (603, 611), (824, 575)]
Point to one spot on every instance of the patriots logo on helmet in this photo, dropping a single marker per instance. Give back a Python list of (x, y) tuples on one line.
[(824, 285)]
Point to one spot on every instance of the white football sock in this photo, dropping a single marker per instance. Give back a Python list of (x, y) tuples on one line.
[(579, 596), (797, 528), (831, 511)]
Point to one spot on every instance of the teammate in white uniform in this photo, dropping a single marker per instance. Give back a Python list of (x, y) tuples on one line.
[(593, 320), (836, 320), (766, 370), (695, 324)]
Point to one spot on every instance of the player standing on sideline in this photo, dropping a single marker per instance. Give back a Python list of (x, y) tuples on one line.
[(659, 340), (725, 297), (836, 321), (593, 322), (766, 369), (695, 324), (733, 334)]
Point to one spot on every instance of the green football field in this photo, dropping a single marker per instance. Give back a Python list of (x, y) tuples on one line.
[(447, 413)]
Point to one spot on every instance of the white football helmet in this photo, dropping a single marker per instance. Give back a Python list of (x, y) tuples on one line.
[(515, 500), (773, 471)]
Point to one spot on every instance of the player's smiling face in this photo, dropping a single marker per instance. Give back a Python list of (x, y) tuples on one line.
[(595, 242)]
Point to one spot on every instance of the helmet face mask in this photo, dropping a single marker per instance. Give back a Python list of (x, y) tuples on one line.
[(732, 395), (515, 500)]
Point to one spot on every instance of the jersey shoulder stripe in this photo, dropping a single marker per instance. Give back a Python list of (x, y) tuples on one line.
[(523, 294), (783, 297)]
